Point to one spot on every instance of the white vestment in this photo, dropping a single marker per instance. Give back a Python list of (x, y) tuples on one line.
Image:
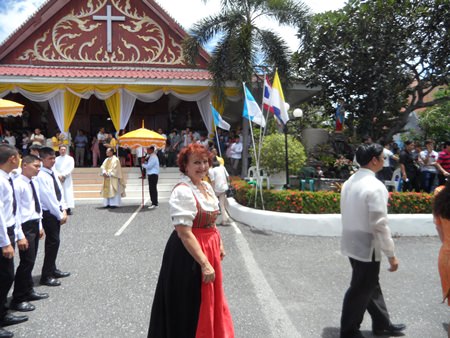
[(64, 166)]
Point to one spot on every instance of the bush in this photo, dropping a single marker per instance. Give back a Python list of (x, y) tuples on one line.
[(273, 154), (322, 202)]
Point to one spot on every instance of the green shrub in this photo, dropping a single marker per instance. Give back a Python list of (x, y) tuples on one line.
[(322, 202)]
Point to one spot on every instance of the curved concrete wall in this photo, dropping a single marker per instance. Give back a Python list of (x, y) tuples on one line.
[(324, 224)]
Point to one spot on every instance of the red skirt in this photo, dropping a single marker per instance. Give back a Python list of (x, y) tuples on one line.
[(214, 319)]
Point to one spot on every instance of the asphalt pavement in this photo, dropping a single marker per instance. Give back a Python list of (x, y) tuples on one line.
[(277, 285)]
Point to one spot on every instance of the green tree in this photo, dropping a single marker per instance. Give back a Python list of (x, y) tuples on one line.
[(382, 57), (243, 46), (435, 121)]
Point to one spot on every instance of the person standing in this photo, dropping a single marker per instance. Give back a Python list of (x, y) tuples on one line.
[(113, 181), (443, 163), (235, 155), (9, 160), (101, 137), (64, 166), (410, 172), (441, 213), (219, 181), (81, 142), (151, 166), (189, 299), (37, 138), (30, 213), (53, 216), (428, 171), (365, 234), (95, 151), (385, 174)]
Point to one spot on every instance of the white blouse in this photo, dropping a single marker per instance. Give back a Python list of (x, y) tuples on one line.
[(182, 203)]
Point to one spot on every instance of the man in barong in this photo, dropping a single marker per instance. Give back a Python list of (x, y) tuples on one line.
[(64, 165), (113, 181)]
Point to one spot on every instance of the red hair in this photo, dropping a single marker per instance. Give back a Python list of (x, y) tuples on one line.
[(187, 152)]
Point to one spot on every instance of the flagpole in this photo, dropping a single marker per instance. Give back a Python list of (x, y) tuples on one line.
[(258, 176), (217, 138)]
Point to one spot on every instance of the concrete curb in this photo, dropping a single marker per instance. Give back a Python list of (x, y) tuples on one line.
[(328, 225)]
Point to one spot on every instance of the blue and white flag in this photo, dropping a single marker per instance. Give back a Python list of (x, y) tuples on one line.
[(252, 111), (218, 121)]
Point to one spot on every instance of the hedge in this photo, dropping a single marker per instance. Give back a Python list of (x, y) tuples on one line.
[(322, 202)]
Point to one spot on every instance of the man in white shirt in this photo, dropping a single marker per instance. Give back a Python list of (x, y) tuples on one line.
[(428, 170), (64, 165), (365, 234), (10, 232), (30, 213), (235, 155), (53, 216), (151, 167)]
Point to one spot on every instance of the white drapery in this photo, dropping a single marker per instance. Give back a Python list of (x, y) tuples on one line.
[(127, 100)]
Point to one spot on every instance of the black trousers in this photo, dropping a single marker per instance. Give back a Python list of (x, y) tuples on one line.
[(23, 282), (6, 275), (363, 294), (152, 183), (52, 228)]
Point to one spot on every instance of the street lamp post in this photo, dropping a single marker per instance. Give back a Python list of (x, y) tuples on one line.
[(297, 113)]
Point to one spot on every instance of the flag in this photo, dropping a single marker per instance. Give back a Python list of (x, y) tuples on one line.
[(252, 111), (266, 97), (218, 121), (277, 100)]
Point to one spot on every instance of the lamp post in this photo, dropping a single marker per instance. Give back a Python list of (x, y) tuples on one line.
[(297, 113)]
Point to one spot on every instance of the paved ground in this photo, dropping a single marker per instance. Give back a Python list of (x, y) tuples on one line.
[(276, 285)]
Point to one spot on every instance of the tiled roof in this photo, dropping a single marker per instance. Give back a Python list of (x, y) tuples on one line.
[(113, 73)]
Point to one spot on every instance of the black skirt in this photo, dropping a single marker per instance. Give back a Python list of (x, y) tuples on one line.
[(177, 299)]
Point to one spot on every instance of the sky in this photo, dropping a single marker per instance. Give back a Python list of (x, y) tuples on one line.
[(186, 12)]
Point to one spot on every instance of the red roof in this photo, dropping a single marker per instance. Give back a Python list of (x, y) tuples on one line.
[(110, 72)]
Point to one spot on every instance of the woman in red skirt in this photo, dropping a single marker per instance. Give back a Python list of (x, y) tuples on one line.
[(189, 298)]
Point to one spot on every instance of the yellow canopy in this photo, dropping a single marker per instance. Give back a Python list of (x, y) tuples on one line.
[(142, 138), (10, 108)]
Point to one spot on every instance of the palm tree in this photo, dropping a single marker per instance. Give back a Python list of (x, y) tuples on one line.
[(243, 47)]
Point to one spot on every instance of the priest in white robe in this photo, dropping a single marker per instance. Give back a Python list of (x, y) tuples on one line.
[(113, 181), (64, 166)]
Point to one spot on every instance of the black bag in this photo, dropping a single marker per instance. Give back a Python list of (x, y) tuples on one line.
[(230, 192)]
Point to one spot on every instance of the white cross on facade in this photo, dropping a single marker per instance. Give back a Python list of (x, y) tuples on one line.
[(109, 19)]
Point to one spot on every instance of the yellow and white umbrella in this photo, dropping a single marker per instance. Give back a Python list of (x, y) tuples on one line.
[(10, 108), (142, 137)]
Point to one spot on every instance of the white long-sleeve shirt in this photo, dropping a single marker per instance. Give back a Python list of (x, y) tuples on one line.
[(365, 229), (26, 205), (47, 193), (8, 219)]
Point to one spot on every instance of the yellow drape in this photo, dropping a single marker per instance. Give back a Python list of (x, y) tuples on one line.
[(71, 103), (113, 105)]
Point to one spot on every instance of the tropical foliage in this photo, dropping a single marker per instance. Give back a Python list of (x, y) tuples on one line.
[(382, 57), (435, 121), (273, 154), (244, 46)]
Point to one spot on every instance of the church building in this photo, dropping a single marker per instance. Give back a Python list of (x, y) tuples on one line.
[(106, 63)]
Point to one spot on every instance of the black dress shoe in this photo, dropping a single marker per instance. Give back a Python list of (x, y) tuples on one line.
[(11, 319), (33, 295), (5, 334), (60, 274), (50, 281), (22, 306), (394, 330)]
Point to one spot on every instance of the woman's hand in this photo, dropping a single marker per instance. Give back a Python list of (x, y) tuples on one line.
[(209, 275), (222, 251)]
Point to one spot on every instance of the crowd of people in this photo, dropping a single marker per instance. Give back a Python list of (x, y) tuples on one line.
[(33, 206), (422, 168), (90, 150)]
